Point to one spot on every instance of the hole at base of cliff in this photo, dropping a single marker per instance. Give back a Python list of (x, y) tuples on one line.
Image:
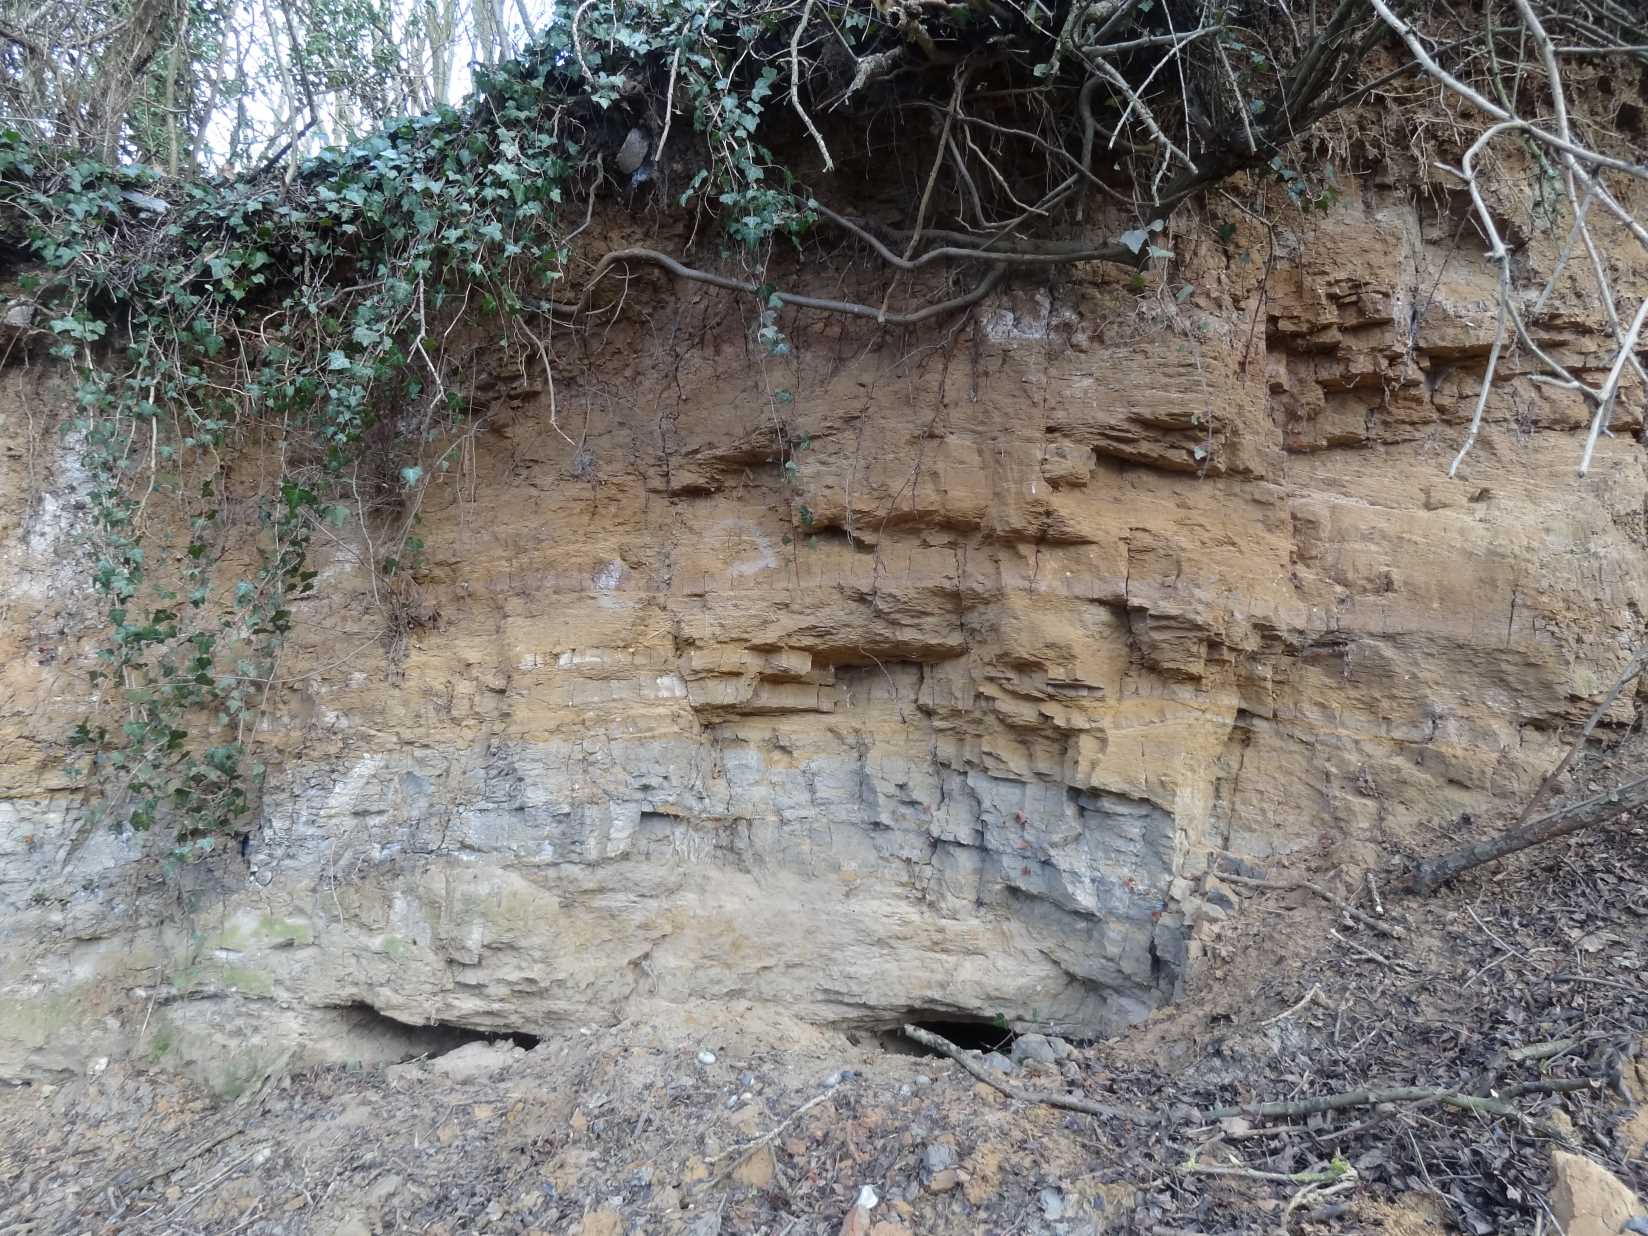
[(409, 1040), (983, 1034)]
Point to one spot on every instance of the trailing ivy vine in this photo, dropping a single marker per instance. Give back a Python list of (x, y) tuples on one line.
[(203, 320)]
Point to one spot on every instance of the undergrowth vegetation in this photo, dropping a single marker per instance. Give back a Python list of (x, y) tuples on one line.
[(308, 316), (305, 316)]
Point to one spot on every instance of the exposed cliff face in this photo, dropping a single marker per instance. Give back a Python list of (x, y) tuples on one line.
[(948, 717)]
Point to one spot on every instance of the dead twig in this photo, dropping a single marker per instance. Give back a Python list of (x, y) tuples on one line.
[(168, 1166), (1367, 920), (1495, 1106), (1315, 1193), (202, 1189), (795, 86), (1363, 951), (1600, 982), (1540, 1051), (1373, 892), (1532, 1052), (1325, 1176), (1633, 667), (1069, 1102), (744, 1150), (1314, 992)]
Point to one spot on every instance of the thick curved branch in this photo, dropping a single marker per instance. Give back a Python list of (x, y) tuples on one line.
[(851, 308), (985, 249), (1070, 1102), (1600, 809), (795, 86)]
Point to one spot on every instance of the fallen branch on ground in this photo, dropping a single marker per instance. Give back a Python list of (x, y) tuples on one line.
[(1070, 1102), (1314, 993), (1363, 951), (1326, 1176), (170, 1165), (1336, 1178), (1502, 1060), (744, 1150), (1367, 920), (1497, 1106), (1431, 875), (200, 1190), (1633, 667), (1314, 1193)]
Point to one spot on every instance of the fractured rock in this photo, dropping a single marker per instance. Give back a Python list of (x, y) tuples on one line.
[(1587, 1199), (474, 1060)]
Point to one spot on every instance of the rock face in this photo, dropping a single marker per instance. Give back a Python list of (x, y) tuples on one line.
[(904, 676), (1589, 1200)]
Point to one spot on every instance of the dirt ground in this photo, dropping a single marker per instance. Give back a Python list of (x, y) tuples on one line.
[(1523, 989)]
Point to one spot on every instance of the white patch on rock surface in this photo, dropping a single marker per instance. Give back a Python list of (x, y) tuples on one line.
[(740, 531), (46, 561), (1019, 322)]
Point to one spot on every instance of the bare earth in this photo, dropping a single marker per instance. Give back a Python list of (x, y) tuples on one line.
[(1531, 973)]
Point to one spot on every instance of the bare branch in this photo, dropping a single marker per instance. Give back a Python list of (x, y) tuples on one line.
[(795, 85), (850, 308), (1582, 171), (1610, 388), (1411, 38), (1600, 809)]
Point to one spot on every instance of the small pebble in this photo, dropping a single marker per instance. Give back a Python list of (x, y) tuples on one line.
[(1052, 1202), (937, 1157), (1034, 1047), (706, 1057)]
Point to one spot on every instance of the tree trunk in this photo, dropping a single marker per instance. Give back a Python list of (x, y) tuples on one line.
[(1431, 875)]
